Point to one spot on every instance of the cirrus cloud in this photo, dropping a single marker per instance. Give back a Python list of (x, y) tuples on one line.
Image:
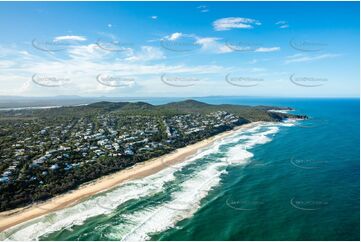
[(282, 24), (69, 37), (234, 23), (308, 58), (267, 49)]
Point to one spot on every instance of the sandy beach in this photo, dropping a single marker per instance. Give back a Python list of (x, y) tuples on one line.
[(143, 169)]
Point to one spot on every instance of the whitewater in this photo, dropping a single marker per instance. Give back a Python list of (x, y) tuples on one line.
[(138, 209)]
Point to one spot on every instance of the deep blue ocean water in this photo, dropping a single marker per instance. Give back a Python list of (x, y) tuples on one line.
[(324, 175), (297, 181)]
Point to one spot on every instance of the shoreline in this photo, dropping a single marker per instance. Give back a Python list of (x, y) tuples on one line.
[(17, 216)]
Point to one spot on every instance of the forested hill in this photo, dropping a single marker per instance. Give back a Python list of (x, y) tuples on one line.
[(250, 113)]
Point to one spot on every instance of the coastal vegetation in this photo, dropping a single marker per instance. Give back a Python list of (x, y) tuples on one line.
[(46, 152)]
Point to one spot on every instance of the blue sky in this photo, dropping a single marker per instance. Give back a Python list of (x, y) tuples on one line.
[(294, 49)]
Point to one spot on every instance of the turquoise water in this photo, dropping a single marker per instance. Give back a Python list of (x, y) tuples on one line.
[(291, 181)]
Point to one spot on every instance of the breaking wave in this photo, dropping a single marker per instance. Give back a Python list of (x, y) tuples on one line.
[(181, 188)]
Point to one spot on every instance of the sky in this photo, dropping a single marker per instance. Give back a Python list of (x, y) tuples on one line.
[(165, 49)]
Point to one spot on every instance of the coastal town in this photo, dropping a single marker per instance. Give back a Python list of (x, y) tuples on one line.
[(47, 152)]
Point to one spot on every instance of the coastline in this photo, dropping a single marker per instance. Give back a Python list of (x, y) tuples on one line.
[(14, 217)]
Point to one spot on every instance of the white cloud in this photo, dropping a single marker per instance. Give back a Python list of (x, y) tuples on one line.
[(207, 44), (308, 58), (234, 23), (69, 37), (82, 70), (213, 45), (203, 8), (174, 36), (7, 64), (267, 49), (91, 51), (154, 17), (147, 53), (282, 24), (109, 25)]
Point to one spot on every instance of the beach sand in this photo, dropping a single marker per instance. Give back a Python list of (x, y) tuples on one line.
[(143, 169)]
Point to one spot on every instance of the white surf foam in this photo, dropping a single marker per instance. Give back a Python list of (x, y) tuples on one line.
[(239, 154), (183, 204), (279, 111), (187, 201), (102, 204), (289, 122)]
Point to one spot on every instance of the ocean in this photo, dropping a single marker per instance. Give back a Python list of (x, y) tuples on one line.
[(297, 180)]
